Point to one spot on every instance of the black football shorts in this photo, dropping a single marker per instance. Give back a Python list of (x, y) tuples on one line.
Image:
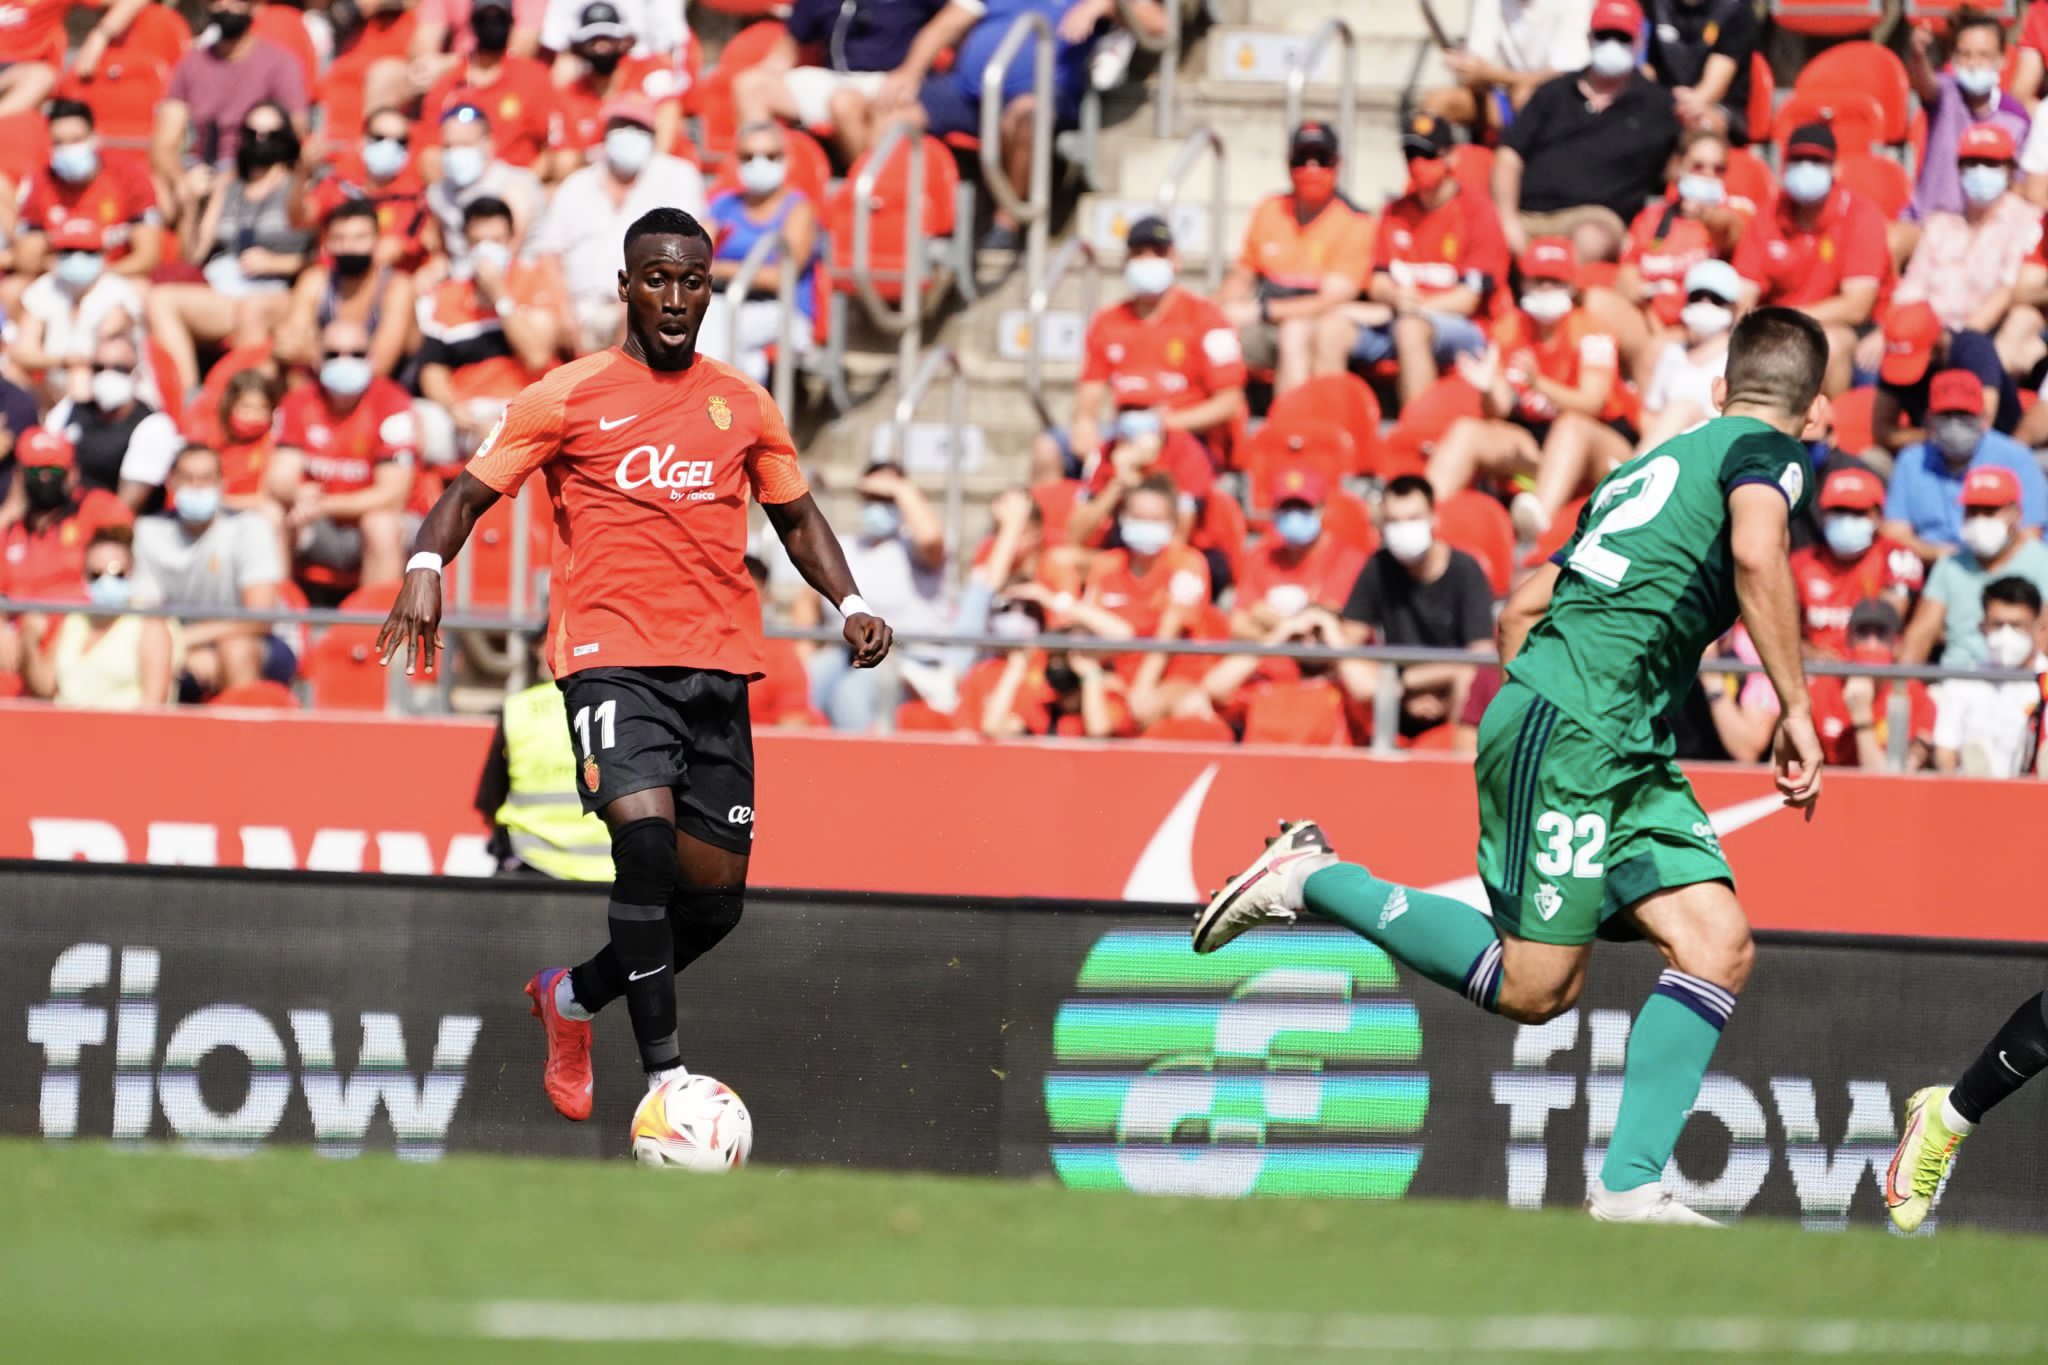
[(682, 728)]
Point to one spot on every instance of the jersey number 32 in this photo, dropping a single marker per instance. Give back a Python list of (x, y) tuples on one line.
[(1622, 505)]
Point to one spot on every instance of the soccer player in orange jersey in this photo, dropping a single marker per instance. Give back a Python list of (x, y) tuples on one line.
[(649, 451)]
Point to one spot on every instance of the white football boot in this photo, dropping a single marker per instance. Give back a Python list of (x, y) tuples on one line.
[(1644, 1204), (1267, 892)]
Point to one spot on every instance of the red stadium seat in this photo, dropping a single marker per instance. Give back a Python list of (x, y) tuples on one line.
[(1879, 179), (1871, 68), (1477, 524), (490, 547), (342, 666), (1324, 446), (343, 109), (24, 145), (1423, 422), (1828, 18), (1763, 93), (1561, 529), (123, 95), (1201, 729), (918, 717), (1748, 177), (1472, 164), (1935, 14), (1348, 519), (263, 694), (1343, 398), (1856, 119), (891, 216), (157, 31), (711, 98)]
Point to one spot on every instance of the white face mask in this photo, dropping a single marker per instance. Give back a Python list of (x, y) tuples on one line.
[(384, 157), (762, 175), (1701, 189), (2009, 646), (1612, 59), (1149, 275), (1703, 320), (112, 390), (1984, 184), (1144, 537), (1849, 535), (492, 256), (1408, 541), (1547, 305), (1980, 83), (462, 166), (1985, 536), (628, 150), (1808, 182)]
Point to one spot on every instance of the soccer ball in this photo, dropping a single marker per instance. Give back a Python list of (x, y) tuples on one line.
[(692, 1123)]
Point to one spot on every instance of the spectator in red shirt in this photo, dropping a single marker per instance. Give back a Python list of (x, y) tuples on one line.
[(1821, 249), (384, 175), (1156, 586), (1852, 563), (603, 44), (117, 195), (516, 92), (1437, 258), (1853, 715), (1164, 347), (1137, 449), (42, 556), (354, 441), (1297, 567)]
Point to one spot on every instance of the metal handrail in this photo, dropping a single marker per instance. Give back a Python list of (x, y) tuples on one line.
[(913, 392), (1203, 139), (1305, 61), (906, 319), (783, 384), (1167, 48), (1035, 214), (1076, 249)]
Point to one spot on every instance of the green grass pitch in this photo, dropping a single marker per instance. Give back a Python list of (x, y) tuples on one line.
[(288, 1257)]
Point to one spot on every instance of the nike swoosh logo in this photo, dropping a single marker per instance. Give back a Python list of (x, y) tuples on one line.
[(642, 976), (613, 423), (2008, 1065)]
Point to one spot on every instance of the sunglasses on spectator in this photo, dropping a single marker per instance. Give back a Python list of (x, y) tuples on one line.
[(760, 156), (1707, 296), (113, 369), (1614, 35), (348, 355), (1871, 634), (1301, 159), (106, 573), (1982, 161), (402, 139)]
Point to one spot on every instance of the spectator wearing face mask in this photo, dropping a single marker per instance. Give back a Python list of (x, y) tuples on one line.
[(515, 93), (1307, 254), (1993, 547), (1967, 264), (384, 174), (1822, 249), (898, 545), (206, 107), (1922, 508), (1700, 50), (762, 206), (1164, 347), (1512, 48), (1993, 729), (607, 70), (1681, 389), (445, 34), (107, 658), (1853, 715), (469, 172), (42, 555), (1438, 256), (1964, 95), (345, 283), (1589, 147), (1557, 410), (67, 310), (203, 555), (1152, 585), (1416, 590), (78, 182), (592, 210), (1297, 566), (1917, 347), (1063, 695), (354, 443), (1138, 449), (1853, 562), (122, 444)]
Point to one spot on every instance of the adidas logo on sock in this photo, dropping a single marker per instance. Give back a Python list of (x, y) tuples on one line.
[(1397, 906)]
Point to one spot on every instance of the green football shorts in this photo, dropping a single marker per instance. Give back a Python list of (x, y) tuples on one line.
[(1571, 834)]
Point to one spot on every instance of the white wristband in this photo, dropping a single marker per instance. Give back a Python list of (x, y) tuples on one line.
[(425, 559), (855, 605)]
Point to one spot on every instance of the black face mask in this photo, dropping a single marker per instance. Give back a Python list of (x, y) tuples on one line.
[(1061, 677), (255, 154), (603, 63), (493, 30), (353, 264), (46, 489), (231, 24)]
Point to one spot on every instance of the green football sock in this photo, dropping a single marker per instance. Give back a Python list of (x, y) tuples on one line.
[(1668, 1051), (1446, 940)]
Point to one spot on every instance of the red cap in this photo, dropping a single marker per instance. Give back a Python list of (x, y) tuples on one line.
[(1302, 483), (1991, 486), (1616, 16), (1550, 258), (1858, 490), (630, 109), (1910, 332), (1956, 391), (1985, 142), (78, 232), (41, 448)]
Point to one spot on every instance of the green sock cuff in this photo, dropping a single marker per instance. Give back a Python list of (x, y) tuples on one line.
[(1444, 939)]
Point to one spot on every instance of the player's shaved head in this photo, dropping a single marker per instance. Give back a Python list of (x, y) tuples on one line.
[(1777, 360), (665, 222)]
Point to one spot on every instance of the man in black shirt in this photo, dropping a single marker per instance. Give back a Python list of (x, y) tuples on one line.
[(1589, 148), (1416, 590), (1700, 51)]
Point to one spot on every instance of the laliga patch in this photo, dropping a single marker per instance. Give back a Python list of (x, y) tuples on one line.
[(1793, 481)]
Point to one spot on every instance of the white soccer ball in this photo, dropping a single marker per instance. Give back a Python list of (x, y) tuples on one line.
[(692, 1123)]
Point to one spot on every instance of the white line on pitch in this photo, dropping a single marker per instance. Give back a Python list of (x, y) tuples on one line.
[(1043, 1333)]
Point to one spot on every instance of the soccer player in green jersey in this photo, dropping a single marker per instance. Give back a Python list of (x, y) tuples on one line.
[(1587, 826)]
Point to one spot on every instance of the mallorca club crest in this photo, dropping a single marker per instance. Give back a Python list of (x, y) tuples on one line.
[(721, 413), (590, 774)]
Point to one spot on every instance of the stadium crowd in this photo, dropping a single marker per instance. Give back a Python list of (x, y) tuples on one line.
[(269, 284)]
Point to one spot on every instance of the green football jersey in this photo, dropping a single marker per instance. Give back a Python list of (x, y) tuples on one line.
[(1647, 581)]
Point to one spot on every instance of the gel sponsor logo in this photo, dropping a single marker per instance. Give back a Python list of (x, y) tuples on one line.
[(182, 843), (157, 1064), (1277, 1066), (1825, 1176), (649, 466)]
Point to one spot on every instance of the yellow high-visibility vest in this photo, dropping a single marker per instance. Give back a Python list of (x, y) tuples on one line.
[(542, 813)]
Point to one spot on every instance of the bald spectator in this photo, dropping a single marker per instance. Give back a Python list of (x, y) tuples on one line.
[(1589, 147)]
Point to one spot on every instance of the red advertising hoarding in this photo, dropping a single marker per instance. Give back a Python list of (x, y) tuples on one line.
[(1921, 856)]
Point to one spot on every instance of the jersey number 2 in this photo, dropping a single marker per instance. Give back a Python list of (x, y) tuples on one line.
[(607, 732), (1617, 511)]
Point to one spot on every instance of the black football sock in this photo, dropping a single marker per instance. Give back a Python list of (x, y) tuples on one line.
[(598, 982), (2014, 1056), (700, 917), (645, 951)]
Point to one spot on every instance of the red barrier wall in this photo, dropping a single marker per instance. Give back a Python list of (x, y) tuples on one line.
[(1930, 856)]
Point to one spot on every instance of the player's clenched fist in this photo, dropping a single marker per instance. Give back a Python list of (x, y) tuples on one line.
[(414, 624), (869, 637)]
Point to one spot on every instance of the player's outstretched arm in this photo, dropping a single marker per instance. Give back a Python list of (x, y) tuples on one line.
[(815, 552), (1761, 543), (415, 620)]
